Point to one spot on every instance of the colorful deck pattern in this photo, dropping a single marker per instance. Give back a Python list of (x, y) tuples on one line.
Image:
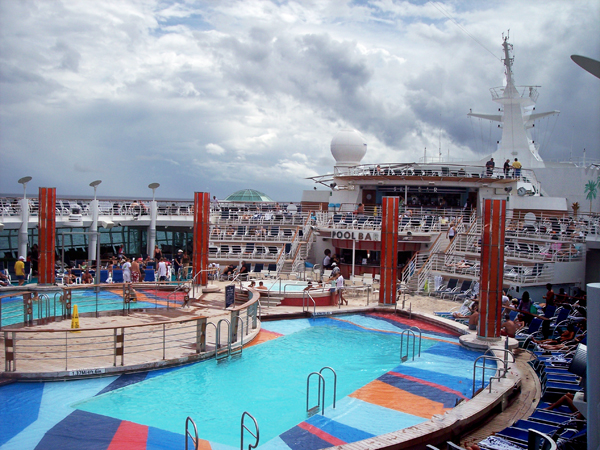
[(40, 415)]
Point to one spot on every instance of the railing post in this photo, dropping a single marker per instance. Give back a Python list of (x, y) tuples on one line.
[(164, 339), (201, 335)]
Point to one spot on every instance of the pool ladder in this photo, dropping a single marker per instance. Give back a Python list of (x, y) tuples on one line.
[(409, 332), (321, 394), (227, 351), (194, 437), (501, 371)]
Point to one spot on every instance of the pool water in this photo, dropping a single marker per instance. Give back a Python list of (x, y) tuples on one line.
[(376, 393), (12, 307)]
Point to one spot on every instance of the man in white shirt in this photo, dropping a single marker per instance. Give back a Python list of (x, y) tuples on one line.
[(126, 271), (339, 287), (162, 270)]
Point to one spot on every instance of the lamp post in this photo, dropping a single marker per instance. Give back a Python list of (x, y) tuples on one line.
[(23, 236), (92, 255), (152, 227)]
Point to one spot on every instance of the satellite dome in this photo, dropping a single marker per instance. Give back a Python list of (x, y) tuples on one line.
[(348, 147)]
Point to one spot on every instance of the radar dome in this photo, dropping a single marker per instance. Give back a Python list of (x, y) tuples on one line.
[(348, 147)]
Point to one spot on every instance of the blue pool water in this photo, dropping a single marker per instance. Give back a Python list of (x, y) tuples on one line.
[(268, 381), (12, 307)]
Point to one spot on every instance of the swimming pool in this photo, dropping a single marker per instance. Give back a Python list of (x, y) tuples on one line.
[(108, 300), (376, 394)]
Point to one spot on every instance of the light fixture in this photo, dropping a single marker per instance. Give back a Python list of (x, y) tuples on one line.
[(95, 184), (24, 182), (153, 186)]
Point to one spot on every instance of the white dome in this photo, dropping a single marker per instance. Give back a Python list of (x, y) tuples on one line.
[(348, 147)]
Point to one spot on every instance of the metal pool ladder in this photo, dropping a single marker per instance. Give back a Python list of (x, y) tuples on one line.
[(244, 427), (188, 433), (409, 332), (321, 394)]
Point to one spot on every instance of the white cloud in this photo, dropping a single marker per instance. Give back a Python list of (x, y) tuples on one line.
[(249, 93), (215, 149)]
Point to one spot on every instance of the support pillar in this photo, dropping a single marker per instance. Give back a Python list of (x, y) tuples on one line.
[(201, 232), (593, 365), (47, 234), (389, 250), (492, 269), (23, 238), (93, 237), (152, 229)]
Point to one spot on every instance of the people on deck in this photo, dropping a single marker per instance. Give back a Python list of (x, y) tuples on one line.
[(516, 165), (87, 277), (228, 271), (126, 271), (489, 167), (507, 167), (327, 259), (339, 288), (162, 270), (178, 263), (20, 270), (157, 253), (135, 271)]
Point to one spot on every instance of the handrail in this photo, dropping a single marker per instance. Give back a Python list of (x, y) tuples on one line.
[(485, 358), (244, 427), (408, 333), (241, 348), (423, 272), (188, 434), (334, 382), (320, 396), (218, 340), (414, 327), (306, 295)]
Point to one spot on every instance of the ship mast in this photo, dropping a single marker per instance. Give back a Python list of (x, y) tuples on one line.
[(516, 116)]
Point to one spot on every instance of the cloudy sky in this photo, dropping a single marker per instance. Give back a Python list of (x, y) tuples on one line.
[(225, 95)]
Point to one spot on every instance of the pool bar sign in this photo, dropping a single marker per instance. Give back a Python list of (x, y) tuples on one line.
[(229, 295), (356, 235)]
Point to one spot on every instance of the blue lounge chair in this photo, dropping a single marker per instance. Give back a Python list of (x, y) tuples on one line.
[(149, 275), (117, 276), (104, 276)]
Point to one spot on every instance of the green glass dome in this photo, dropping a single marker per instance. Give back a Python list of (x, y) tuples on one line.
[(248, 195)]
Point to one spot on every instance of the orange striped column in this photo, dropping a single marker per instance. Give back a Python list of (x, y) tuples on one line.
[(47, 234), (492, 269), (389, 250), (201, 230)]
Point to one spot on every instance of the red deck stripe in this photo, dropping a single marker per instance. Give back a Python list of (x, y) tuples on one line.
[(321, 434), (427, 383), (129, 436)]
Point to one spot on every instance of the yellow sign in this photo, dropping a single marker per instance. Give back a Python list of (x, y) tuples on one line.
[(75, 319)]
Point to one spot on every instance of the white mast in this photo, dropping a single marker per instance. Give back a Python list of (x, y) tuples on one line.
[(516, 116)]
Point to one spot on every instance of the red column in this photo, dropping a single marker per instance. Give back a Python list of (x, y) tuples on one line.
[(492, 269), (47, 234), (389, 250), (201, 231)]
